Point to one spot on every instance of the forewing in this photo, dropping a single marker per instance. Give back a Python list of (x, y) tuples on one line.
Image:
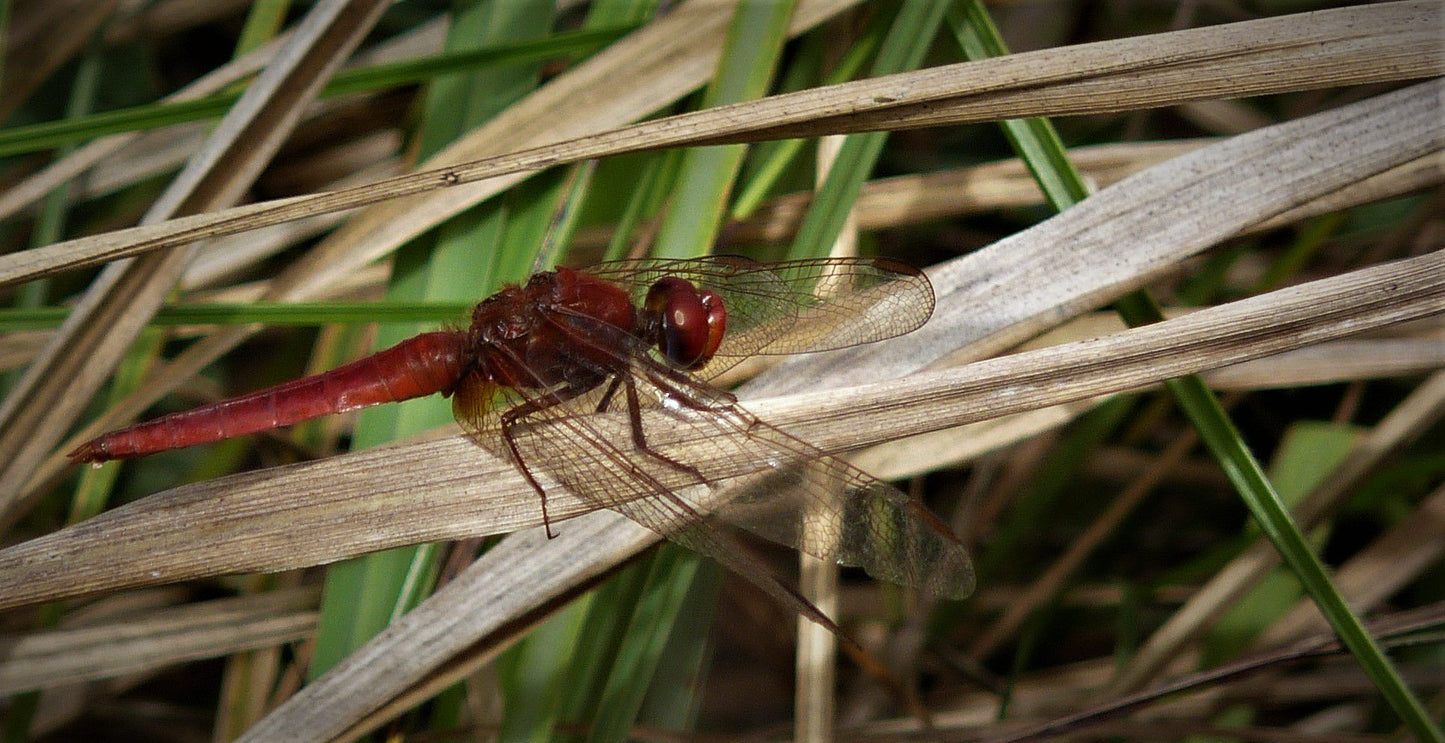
[(793, 306)]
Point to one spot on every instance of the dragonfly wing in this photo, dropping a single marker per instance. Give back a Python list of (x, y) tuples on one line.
[(790, 492), (793, 306), (834, 511), (659, 446), (592, 457), (670, 468)]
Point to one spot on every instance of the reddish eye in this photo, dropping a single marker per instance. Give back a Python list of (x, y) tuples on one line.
[(690, 323)]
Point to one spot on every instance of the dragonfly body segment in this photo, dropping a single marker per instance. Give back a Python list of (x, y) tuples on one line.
[(416, 367)]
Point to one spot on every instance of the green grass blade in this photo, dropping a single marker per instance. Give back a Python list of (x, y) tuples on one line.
[(263, 22), (291, 314), (774, 160), (526, 671), (903, 49), (669, 587), (567, 44), (676, 693), (610, 614), (1305, 458), (645, 198), (700, 196)]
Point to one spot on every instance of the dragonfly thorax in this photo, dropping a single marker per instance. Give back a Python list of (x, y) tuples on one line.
[(561, 327)]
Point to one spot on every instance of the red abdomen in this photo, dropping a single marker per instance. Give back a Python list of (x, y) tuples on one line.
[(416, 367)]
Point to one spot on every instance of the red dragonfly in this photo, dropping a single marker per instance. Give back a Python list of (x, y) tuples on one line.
[(597, 379)]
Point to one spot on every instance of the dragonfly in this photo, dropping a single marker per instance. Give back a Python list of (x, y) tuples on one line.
[(600, 379)]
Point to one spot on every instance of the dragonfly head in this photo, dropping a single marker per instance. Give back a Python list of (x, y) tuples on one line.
[(688, 322)]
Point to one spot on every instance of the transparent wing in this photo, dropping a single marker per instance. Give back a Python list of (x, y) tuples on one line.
[(667, 469), (793, 306)]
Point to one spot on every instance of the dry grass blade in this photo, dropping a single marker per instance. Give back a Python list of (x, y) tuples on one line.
[(914, 198), (1051, 581), (1338, 362), (156, 639), (1326, 363), (919, 198), (1388, 42), (58, 384)]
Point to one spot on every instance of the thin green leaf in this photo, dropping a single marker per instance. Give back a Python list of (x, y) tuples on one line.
[(700, 194), (903, 49), (668, 587)]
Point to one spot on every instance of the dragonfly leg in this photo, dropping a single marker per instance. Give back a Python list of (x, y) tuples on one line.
[(639, 437), (674, 385), (514, 416), (607, 396)]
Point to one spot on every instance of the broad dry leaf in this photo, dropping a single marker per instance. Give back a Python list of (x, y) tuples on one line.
[(1325, 363)]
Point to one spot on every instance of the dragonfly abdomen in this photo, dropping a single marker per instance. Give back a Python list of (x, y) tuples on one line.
[(416, 367)]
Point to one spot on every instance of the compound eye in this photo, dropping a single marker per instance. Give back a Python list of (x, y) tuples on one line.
[(690, 323)]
